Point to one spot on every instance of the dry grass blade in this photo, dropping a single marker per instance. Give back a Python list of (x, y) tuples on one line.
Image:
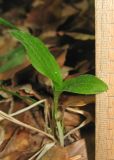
[(8, 117), (25, 109), (36, 154), (76, 157), (76, 35), (28, 108), (2, 134), (46, 114), (85, 122), (42, 151), (46, 148)]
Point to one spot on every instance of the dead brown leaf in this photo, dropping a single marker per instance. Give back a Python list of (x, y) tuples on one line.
[(10, 73), (56, 153), (77, 149), (71, 119), (76, 101), (6, 39), (61, 58)]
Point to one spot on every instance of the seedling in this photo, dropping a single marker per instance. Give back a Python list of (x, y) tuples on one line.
[(43, 61)]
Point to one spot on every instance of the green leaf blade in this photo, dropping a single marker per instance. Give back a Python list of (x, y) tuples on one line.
[(12, 59), (7, 24), (85, 84), (40, 57)]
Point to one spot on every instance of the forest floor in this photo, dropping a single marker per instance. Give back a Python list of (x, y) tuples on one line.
[(67, 27)]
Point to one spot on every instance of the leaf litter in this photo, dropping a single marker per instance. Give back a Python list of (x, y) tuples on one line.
[(71, 28)]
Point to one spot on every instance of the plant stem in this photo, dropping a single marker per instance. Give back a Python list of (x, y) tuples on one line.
[(56, 99), (57, 119), (60, 133)]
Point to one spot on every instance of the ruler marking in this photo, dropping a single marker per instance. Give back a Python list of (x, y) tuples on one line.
[(105, 70)]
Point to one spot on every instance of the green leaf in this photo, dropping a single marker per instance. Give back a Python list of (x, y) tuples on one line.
[(7, 24), (40, 57), (85, 84), (12, 59)]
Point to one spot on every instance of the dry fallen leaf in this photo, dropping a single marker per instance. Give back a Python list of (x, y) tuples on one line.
[(56, 153), (6, 39), (71, 119), (76, 100), (77, 148), (10, 73)]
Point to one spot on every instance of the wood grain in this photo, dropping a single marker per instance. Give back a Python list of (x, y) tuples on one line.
[(105, 70)]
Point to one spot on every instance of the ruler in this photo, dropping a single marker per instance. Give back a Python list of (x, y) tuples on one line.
[(105, 70)]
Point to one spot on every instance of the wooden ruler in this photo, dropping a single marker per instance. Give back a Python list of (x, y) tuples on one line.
[(105, 70)]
